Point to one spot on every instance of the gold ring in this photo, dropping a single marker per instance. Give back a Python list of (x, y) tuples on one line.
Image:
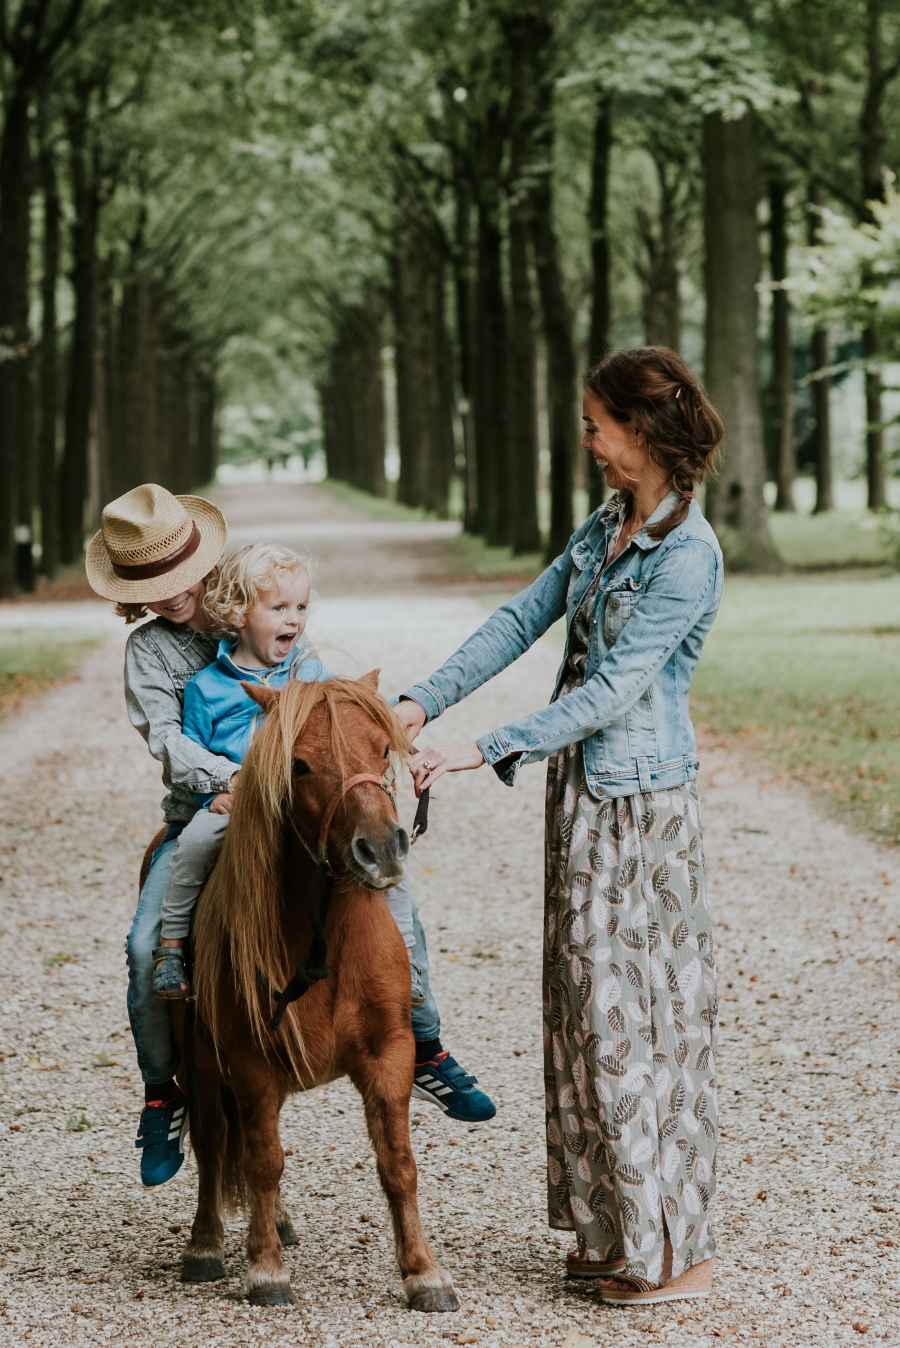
[(427, 763)]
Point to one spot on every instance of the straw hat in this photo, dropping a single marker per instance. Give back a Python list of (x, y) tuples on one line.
[(152, 546)]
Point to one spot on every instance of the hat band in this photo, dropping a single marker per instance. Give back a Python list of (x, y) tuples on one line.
[(149, 570)]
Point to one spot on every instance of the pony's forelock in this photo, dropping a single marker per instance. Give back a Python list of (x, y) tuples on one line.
[(239, 922)]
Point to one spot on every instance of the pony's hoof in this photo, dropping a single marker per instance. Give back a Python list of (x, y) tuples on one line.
[(202, 1267), (434, 1299), (271, 1294), (287, 1235)]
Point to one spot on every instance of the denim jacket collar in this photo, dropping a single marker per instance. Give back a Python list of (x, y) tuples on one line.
[(614, 511)]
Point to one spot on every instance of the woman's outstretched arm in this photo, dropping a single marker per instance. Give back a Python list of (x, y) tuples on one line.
[(507, 634), (680, 593)]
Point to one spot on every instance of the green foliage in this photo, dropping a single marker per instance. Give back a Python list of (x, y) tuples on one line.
[(804, 672), (31, 660)]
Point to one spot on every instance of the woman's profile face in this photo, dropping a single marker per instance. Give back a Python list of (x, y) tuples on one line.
[(619, 450)]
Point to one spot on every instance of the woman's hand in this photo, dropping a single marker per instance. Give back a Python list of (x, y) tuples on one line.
[(411, 715), (427, 767), (221, 804)]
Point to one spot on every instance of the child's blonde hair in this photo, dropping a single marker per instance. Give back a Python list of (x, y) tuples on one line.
[(244, 576)]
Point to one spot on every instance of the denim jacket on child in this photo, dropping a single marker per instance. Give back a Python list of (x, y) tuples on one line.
[(653, 608), (221, 716), (160, 659)]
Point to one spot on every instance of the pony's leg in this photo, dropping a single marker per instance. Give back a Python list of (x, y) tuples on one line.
[(385, 1085), (283, 1224), (203, 1257), (268, 1283)]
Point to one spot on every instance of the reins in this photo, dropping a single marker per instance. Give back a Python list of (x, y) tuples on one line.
[(314, 967)]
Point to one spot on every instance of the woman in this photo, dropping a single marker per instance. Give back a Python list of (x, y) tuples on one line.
[(629, 976)]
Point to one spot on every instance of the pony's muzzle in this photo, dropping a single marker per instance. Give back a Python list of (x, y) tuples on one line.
[(380, 863)]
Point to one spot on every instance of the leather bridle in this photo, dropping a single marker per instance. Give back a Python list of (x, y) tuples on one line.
[(314, 967)]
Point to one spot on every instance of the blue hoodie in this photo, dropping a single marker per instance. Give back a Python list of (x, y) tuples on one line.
[(220, 715)]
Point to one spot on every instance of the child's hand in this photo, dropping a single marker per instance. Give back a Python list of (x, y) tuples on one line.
[(221, 804)]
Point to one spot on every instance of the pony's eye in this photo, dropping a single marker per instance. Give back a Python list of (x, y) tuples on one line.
[(301, 767), (387, 751)]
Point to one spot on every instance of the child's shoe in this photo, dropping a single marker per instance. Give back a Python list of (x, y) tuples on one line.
[(170, 980), (445, 1084), (161, 1135)]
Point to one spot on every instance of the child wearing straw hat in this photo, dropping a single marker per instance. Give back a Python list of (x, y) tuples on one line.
[(156, 553)]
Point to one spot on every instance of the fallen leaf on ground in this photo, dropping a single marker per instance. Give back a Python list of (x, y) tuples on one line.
[(575, 1339)]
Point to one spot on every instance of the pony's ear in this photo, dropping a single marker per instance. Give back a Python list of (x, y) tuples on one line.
[(266, 697), (371, 679)]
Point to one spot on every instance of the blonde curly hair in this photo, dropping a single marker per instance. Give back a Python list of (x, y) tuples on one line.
[(244, 576)]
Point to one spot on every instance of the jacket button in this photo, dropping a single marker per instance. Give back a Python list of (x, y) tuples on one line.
[(615, 603)]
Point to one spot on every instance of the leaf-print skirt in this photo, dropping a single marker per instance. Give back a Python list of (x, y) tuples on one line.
[(630, 1020)]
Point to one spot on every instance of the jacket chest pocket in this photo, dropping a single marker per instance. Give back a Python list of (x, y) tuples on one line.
[(582, 556), (621, 603), (180, 677)]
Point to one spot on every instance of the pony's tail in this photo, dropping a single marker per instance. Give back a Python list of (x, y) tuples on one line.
[(233, 1183)]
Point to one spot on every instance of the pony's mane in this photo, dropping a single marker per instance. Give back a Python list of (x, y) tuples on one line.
[(238, 929)]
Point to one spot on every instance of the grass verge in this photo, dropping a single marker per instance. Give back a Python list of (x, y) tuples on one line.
[(31, 661), (804, 672)]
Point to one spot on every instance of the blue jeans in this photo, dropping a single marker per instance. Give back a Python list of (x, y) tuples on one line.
[(149, 1014)]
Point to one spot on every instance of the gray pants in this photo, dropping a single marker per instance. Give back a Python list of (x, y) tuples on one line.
[(196, 851)]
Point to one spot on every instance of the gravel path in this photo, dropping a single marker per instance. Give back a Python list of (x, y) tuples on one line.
[(807, 919)]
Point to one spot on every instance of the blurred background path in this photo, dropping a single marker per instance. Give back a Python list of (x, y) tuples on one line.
[(807, 919)]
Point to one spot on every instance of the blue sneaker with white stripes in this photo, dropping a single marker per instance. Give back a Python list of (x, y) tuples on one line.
[(445, 1084), (161, 1135)]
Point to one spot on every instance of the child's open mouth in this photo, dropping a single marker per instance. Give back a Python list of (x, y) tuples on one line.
[(284, 642)]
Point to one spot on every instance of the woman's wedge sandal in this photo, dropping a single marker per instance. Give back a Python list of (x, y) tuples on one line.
[(576, 1267), (170, 979), (694, 1282)]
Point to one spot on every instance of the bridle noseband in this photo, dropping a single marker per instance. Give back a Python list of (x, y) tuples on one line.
[(314, 967)]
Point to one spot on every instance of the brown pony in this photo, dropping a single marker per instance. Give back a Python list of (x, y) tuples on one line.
[(252, 928)]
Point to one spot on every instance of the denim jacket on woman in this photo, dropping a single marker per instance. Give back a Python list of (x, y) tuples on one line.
[(653, 608)]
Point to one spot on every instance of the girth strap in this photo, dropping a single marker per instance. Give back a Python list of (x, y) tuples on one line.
[(313, 968)]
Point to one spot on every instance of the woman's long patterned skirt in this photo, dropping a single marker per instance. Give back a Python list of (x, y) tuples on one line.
[(630, 1018)]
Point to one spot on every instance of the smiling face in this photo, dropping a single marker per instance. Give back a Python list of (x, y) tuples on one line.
[(270, 627), (186, 609), (619, 450)]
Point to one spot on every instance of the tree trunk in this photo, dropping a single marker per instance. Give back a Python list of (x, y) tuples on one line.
[(49, 366), (15, 383), (875, 484), (465, 337), (662, 296), (79, 401), (601, 289), (207, 429), (352, 398), (872, 136), (491, 363), (561, 364), (523, 36), (735, 502), (821, 388), (782, 351), (424, 390)]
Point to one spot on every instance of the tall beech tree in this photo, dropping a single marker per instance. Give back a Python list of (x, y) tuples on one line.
[(735, 499)]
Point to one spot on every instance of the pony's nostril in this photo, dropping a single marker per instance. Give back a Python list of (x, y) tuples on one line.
[(402, 839), (364, 852)]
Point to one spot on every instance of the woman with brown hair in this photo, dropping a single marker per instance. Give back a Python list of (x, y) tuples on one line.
[(629, 974)]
